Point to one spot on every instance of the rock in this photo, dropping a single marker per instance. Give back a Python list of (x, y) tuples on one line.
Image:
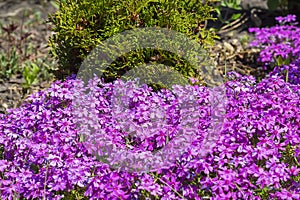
[(3, 88), (235, 42), (249, 4), (15, 79), (4, 105), (228, 47)]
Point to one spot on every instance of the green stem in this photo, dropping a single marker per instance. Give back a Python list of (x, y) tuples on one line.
[(45, 185), (168, 186), (225, 67)]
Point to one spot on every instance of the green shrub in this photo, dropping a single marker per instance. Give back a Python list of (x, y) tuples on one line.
[(285, 6), (81, 25)]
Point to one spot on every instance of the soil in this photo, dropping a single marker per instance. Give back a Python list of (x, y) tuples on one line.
[(29, 17), (231, 50)]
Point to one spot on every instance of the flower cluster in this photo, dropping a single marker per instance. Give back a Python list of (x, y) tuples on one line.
[(280, 48), (52, 146), (144, 121)]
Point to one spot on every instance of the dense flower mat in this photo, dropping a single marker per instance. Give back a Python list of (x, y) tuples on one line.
[(280, 48), (256, 155)]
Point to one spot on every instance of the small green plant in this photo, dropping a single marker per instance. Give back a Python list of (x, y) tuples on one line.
[(245, 40), (9, 58), (30, 74), (9, 63), (228, 4), (80, 26)]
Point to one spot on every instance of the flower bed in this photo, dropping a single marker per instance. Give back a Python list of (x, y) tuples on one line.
[(255, 156), (280, 48)]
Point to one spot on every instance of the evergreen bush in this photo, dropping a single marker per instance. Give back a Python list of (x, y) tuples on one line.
[(81, 25)]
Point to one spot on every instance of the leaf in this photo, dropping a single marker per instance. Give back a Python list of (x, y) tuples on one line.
[(35, 68), (279, 61), (273, 4), (55, 5), (224, 3), (236, 16)]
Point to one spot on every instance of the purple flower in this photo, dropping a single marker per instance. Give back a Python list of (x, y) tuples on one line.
[(285, 194), (280, 48), (47, 148), (288, 18)]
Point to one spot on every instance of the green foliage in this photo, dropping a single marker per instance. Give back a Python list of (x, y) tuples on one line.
[(263, 193), (285, 6), (30, 73), (77, 193), (228, 4), (9, 63), (234, 4), (288, 155), (81, 25)]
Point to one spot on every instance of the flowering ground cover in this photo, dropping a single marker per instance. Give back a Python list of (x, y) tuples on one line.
[(256, 154), (280, 48)]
